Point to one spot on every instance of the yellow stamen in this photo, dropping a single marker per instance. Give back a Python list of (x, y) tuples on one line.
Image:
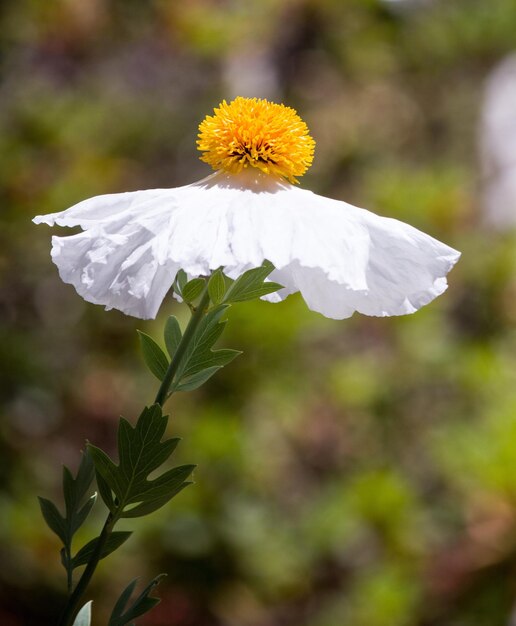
[(254, 132)]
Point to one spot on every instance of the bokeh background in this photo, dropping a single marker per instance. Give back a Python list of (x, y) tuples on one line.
[(360, 472)]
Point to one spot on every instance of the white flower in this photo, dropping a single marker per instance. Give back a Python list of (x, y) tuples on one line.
[(341, 258)]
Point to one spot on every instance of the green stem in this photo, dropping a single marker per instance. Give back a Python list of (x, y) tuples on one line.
[(181, 349), (69, 571), (74, 600)]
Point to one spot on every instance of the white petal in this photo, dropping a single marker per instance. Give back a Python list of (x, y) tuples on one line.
[(117, 269), (103, 208), (342, 259)]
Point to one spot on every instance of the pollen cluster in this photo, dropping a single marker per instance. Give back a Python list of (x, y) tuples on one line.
[(257, 133)]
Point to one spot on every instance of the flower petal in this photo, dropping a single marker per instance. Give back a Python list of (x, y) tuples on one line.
[(117, 269), (341, 258), (102, 208)]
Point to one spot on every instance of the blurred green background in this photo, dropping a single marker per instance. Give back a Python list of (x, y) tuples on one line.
[(360, 472)]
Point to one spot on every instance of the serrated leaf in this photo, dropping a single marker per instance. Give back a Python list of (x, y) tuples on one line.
[(217, 287), (201, 349), (143, 603), (83, 617), (207, 333), (198, 379), (140, 452), (146, 463), (256, 292), (200, 361), (251, 285), (164, 485), (154, 356), (145, 508), (250, 278), (76, 510), (55, 521), (114, 541), (209, 358), (173, 335)]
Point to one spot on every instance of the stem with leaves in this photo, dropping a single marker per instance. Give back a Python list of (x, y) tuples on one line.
[(125, 487), (74, 599), (197, 316)]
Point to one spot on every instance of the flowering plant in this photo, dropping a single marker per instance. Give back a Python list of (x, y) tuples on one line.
[(244, 232)]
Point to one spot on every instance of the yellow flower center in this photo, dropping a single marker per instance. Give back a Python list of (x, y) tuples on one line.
[(254, 132)]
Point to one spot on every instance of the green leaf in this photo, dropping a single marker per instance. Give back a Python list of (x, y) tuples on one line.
[(143, 603), (121, 603), (55, 521), (222, 357), (193, 289), (217, 287), (140, 452), (77, 508), (145, 508), (154, 356), (209, 358), (257, 292), (200, 361), (75, 490), (179, 282), (69, 491), (134, 466), (79, 517), (196, 380), (85, 475), (251, 285), (165, 485), (83, 617), (114, 541), (105, 493), (207, 333), (107, 470), (173, 335)]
